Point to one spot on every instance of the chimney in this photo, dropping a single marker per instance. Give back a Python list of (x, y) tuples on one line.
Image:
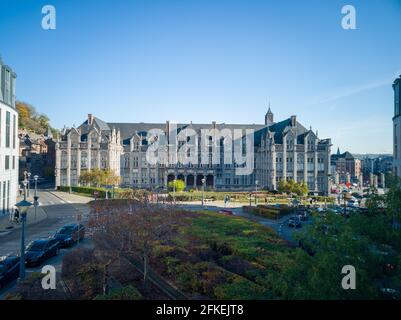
[(293, 121), (90, 118), (214, 124)]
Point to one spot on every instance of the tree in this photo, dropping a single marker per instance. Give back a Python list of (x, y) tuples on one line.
[(31, 120), (179, 185), (282, 186), (292, 187), (369, 242), (99, 177), (302, 189), (393, 199), (132, 228)]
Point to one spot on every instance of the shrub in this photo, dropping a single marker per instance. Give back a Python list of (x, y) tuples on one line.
[(239, 289), (85, 190), (178, 185), (269, 212), (187, 278), (125, 293)]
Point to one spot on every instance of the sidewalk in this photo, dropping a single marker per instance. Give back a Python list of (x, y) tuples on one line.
[(6, 226)]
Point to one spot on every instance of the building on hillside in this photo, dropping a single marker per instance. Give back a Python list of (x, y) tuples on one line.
[(397, 127), (37, 154), (8, 140), (347, 167), (281, 151)]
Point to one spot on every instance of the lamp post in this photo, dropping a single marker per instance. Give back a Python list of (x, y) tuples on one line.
[(29, 183), (23, 207), (203, 191), (256, 191), (35, 178), (36, 197), (346, 197)]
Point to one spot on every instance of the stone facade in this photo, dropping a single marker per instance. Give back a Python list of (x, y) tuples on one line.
[(347, 167), (283, 150), (37, 154), (9, 143)]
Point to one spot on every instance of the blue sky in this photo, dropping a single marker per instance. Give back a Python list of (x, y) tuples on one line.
[(205, 60)]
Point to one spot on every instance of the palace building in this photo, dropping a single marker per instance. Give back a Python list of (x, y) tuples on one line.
[(281, 150)]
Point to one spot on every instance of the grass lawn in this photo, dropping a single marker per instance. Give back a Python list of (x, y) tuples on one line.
[(222, 257)]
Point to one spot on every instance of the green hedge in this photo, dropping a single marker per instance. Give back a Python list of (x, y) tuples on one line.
[(269, 212), (193, 195), (86, 190)]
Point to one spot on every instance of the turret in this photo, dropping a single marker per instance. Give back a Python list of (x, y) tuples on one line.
[(269, 117)]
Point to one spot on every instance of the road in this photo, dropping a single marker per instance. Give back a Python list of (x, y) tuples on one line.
[(61, 209)]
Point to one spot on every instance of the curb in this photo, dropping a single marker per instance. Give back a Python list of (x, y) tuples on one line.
[(57, 196), (5, 232)]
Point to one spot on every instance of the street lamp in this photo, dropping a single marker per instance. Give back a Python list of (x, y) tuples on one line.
[(23, 207), (35, 178), (203, 191), (36, 197), (256, 191), (29, 182), (346, 196)]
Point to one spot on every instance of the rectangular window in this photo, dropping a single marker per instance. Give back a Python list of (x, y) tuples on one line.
[(8, 119), (6, 97), (7, 162), (13, 162), (14, 130)]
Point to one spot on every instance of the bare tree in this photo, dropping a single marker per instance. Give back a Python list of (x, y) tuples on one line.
[(130, 228)]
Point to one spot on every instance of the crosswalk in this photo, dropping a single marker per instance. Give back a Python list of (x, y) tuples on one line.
[(50, 202)]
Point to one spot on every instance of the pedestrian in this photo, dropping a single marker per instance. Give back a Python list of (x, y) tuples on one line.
[(16, 216)]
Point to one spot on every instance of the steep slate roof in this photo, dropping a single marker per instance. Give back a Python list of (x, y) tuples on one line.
[(346, 155), (127, 130), (278, 129)]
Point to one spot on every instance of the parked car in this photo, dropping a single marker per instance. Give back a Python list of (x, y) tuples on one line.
[(294, 222), (226, 212), (302, 214), (353, 203), (38, 251), (9, 269), (390, 293), (68, 235)]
